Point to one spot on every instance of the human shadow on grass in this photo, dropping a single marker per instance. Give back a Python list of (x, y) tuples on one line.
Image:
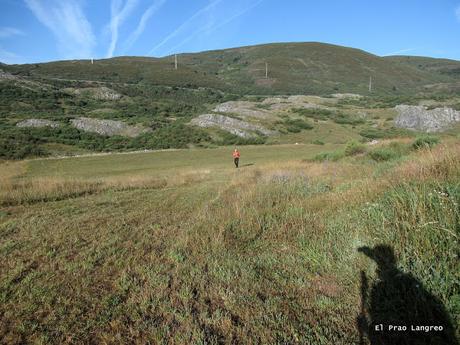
[(246, 165), (399, 299)]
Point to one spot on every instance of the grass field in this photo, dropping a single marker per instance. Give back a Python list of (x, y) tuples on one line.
[(178, 247)]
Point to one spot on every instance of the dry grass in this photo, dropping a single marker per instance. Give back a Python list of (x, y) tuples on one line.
[(15, 191), (266, 254)]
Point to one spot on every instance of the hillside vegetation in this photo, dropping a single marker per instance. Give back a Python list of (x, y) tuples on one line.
[(158, 107), (179, 247), (293, 68)]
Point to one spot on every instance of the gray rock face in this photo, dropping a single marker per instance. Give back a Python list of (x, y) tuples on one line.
[(108, 127), (100, 93), (421, 119), (265, 109), (237, 127), (6, 75), (38, 123), (242, 108)]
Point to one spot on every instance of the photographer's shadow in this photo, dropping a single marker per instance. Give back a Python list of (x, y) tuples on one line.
[(399, 299)]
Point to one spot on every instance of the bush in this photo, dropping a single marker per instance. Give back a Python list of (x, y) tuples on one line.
[(377, 133), (425, 142), (317, 142), (314, 113), (400, 149), (297, 125), (20, 145), (383, 154), (354, 148), (343, 119), (329, 156)]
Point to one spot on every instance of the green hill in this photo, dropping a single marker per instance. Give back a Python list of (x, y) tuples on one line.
[(189, 106), (442, 67), (293, 68)]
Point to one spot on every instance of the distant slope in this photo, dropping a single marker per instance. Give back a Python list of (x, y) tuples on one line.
[(442, 67), (293, 68)]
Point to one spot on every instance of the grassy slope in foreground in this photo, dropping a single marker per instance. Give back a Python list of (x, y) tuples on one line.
[(153, 251)]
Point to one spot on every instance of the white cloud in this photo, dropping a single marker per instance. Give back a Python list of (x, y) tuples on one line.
[(184, 25), (118, 14), (457, 13), (6, 32), (66, 20), (149, 12)]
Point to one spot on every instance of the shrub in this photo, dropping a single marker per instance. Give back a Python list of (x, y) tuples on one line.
[(314, 113), (383, 154), (424, 142), (378, 133), (329, 156), (343, 119), (318, 142), (353, 148), (400, 149), (297, 125)]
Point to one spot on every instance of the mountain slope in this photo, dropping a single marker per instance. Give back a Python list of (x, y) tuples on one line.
[(293, 68), (442, 67)]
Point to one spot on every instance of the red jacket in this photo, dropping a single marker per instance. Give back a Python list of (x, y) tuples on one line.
[(236, 154)]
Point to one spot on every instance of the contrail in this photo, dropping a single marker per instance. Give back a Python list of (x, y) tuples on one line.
[(400, 51), (216, 27), (7, 32), (184, 24), (143, 22), (117, 18)]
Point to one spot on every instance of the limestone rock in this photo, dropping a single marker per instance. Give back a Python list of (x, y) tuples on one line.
[(237, 127), (421, 119), (37, 123), (108, 127)]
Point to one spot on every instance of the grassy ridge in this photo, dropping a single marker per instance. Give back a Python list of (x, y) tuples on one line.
[(294, 68), (263, 254)]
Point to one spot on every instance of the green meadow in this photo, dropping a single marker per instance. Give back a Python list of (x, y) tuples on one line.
[(179, 247)]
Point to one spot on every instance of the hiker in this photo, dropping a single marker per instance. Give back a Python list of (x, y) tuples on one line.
[(236, 157)]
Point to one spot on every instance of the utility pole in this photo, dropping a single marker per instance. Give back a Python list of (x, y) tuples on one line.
[(266, 70), (175, 61), (370, 83)]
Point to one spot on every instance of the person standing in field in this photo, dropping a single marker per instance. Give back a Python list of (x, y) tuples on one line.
[(236, 157)]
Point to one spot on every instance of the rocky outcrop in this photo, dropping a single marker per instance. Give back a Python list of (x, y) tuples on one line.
[(237, 127), (421, 119), (296, 101), (265, 109), (108, 127), (37, 123), (243, 109), (100, 93), (5, 75), (346, 95)]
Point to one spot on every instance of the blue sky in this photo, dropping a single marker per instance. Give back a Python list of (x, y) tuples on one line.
[(45, 30)]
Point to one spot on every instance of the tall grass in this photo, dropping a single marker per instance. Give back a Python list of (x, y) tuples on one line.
[(14, 191), (268, 256)]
